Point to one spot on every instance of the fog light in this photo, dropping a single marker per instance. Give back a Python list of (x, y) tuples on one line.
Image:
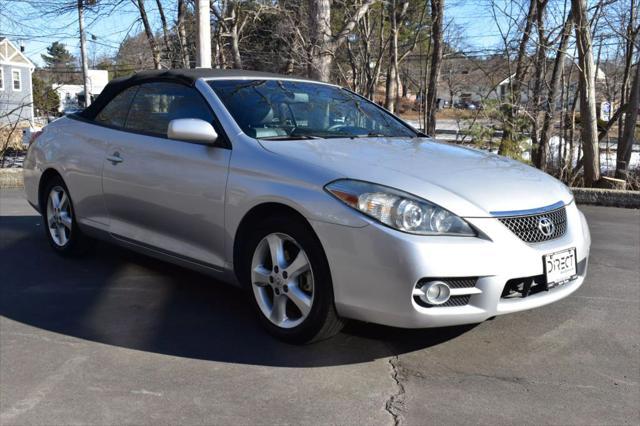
[(435, 292)]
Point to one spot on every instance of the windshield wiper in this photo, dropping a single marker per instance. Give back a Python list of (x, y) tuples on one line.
[(368, 135), (380, 135), (289, 137)]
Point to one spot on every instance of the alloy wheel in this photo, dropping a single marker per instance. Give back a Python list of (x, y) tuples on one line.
[(282, 280), (59, 216)]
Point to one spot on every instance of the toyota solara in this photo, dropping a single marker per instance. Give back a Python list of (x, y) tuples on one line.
[(321, 204)]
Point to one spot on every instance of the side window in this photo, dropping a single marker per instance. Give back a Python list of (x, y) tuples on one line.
[(115, 112), (156, 104), (16, 76)]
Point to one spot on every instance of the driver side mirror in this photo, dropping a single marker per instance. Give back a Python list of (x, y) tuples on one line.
[(192, 130)]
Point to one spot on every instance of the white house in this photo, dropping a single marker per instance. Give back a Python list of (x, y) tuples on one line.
[(16, 92), (72, 95), (527, 91)]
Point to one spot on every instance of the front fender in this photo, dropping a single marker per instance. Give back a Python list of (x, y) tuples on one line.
[(258, 176)]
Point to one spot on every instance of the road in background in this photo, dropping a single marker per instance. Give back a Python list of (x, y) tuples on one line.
[(119, 338)]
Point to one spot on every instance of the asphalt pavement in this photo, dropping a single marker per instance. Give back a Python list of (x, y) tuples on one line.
[(118, 338)]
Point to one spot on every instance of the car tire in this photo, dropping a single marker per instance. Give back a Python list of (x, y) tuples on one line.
[(294, 306), (58, 216)]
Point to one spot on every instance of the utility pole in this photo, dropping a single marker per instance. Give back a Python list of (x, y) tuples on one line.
[(83, 54), (203, 42)]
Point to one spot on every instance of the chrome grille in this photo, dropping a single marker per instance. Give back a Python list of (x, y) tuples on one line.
[(468, 282), (527, 227), (457, 301)]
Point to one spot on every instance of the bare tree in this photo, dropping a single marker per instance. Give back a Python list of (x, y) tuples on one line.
[(516, 80), (630, 36), (323, 44), (393, 77), (586, 80), (554, 89), (625, 144), (10, 122), (232, 21), (437, 19), (400, 20), (366, 50), (151, 38), (182, 33), (165, 26)]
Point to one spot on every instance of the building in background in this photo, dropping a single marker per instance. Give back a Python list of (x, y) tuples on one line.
[(16, 91), (72, 95)]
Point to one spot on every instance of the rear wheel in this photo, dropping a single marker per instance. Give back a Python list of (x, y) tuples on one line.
[(289, 282), (61, 228)]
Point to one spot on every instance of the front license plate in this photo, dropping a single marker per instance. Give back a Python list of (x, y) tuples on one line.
[(560, 267)]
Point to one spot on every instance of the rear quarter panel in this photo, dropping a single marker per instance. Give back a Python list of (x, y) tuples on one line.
[(76, 150)]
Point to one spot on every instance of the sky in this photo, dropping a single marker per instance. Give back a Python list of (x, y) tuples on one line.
[(21, 22), (37, 32)]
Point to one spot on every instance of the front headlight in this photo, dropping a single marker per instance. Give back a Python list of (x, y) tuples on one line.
[(397, 209)]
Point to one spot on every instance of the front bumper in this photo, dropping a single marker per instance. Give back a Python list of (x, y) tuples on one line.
[(375, 270)]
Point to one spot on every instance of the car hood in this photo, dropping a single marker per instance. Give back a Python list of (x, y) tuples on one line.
[(468, 182)]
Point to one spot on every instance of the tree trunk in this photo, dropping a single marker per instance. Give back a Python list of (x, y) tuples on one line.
[(391, 93), (375, 74), (323, 43), (515, 81), (628, 57), (437, 18), (320, 24), (554, 88), (586, 80), (165, 29), (539, 154), (390, 88), (355, 72), (218, 48), (155, 52), (235, 36), (182, 34), (625, 144), (288, 68)]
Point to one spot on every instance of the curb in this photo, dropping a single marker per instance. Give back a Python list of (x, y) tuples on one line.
[(11, 178), (607, 197)]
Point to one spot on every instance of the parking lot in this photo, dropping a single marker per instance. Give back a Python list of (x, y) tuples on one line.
[(118, 338)]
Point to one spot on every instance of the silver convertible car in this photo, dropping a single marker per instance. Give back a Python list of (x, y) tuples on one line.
[(321, 204)]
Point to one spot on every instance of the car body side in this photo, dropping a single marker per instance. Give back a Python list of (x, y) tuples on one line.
[(76, 150)]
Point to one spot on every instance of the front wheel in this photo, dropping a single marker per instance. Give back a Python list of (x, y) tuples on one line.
[(290, 283)]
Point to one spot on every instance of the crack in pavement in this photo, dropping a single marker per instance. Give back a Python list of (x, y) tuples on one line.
[(395, 404)]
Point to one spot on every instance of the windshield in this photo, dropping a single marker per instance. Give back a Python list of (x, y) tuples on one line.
[(281, 109)]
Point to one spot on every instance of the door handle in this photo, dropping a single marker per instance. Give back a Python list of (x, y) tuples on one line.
[(115, 158)]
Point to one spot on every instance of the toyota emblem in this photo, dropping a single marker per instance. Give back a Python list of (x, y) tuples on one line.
[(546, 226)]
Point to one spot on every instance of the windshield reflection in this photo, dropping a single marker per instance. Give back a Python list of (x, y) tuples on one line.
[(289, 110)]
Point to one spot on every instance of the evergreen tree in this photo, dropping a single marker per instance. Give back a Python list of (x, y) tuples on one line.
[(58, 57), (60, 65), (45, 100)]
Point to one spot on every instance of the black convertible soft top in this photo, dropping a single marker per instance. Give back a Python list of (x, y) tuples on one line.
[(183, 76)]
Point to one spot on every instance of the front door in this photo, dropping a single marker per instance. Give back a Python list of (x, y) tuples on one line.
[(163, 193)]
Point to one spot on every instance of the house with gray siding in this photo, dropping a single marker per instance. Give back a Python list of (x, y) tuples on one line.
[(16, 95)]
